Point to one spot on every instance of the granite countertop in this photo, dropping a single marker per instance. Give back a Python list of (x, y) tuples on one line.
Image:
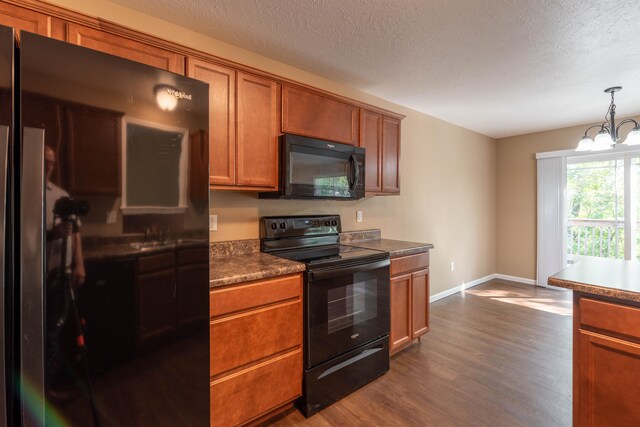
[(238, 268), (599, 276), (372, 239), (123, 250), (395, 248)]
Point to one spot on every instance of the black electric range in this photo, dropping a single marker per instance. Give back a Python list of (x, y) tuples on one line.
[(346, 306)]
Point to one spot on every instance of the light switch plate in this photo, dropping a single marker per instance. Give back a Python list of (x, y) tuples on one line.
[(213, 222), (358, 216)]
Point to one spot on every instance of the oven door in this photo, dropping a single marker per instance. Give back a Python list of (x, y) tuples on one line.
[(346, 307)]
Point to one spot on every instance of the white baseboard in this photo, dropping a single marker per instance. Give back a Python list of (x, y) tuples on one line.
[(514, 279), (479, 281), (459, 288)]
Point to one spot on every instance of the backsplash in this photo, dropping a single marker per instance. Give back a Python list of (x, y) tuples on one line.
[(234, 247), (360, 235)]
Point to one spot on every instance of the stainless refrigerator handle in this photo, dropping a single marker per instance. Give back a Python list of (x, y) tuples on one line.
[(4, 164), (328, 273), (32, 275)]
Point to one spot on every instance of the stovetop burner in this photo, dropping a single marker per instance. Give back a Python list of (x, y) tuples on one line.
[(326, 256), (313, 240)]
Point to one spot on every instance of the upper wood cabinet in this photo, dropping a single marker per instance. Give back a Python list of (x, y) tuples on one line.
[(257, 137), (222, 118), (371, 141), (243, 127), (24, 19), (318, 116), (125, 48), (390, 155), (380, 136), (93, 137)]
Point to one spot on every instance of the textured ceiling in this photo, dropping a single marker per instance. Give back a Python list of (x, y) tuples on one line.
[(498, 67)]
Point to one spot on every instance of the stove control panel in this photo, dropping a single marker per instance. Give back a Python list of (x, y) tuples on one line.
[(272, 227)]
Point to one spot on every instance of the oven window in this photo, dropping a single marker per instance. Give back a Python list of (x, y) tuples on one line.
[(350, 305), (327, 175)]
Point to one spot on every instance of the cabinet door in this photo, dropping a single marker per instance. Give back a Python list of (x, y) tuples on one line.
[(93, 136), (24, 19), (371, 140), (191, 307), (48, 114), (419, 303), (257, 138), (318, 116), (400, 312), (125, 48), (222, 119), (390, 155), (608, 386), (156, 295)]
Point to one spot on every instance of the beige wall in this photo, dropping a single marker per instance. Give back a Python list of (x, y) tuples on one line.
[(516, 199), (448, 174)]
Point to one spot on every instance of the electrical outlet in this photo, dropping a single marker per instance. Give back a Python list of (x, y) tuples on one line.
[(453, 267), (213, 222), (358, 216)]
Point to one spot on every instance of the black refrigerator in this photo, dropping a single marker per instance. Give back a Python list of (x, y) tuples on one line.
[(105, 261)]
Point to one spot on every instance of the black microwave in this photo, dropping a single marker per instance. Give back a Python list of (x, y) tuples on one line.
[(316, 169)]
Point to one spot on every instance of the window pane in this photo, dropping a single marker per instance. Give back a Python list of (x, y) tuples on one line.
[(595, 209)]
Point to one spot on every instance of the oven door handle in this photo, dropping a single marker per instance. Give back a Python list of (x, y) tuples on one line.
[(343, 271)]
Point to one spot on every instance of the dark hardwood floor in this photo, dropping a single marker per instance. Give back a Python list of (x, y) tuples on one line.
[(498, 354)]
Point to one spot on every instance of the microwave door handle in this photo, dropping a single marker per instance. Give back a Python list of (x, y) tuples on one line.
[(356, 171), (351, 176), (343, 271)]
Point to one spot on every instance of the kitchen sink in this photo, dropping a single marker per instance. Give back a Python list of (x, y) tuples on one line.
[(146, 246)]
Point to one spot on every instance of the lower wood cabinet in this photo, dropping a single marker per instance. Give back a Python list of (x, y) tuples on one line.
[(255, 349), (606, 362), (409, 300)]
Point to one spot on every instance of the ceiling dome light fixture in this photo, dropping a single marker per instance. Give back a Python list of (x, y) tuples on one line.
[(608, 135)]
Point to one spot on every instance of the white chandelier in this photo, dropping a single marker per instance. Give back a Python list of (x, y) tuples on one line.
[(608, 135)]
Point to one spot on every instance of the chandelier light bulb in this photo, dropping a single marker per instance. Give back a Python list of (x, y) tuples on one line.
[(585, 144), (633, 138), (602, 141)]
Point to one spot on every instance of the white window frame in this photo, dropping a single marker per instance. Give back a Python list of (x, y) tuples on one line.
[(183, 168), (549, 248)]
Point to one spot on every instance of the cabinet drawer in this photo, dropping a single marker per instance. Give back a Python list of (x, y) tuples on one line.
[(248, 394), (253, 335), (409, 263), (254, 294), (619, 319), (150, 263)]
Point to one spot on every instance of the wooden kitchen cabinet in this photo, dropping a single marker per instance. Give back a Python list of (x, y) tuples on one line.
[(380, 136), (93, 133), (243, 127), (606, 362), (156, 288), (409, 300), (320, 116), (257, 133), (256, 349), (390, 155), (24, 19), (222, 118), (125, 48), (192, 270)]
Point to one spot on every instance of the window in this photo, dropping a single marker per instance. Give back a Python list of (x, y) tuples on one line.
[(602, 207), (154, 157)]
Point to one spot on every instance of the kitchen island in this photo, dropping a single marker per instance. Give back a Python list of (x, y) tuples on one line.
[(606, 340)]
